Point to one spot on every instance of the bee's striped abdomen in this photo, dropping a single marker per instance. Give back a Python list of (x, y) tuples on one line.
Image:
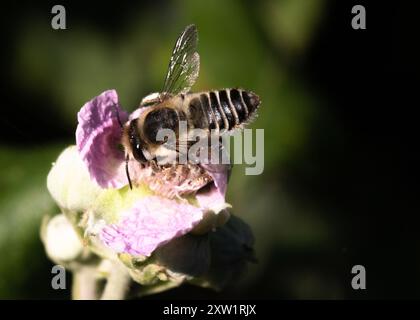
[(217, 110), (222, 110), (227, 109)]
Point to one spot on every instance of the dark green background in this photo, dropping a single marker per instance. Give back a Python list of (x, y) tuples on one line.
[(337, 110)]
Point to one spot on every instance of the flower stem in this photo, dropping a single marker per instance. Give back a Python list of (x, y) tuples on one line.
[(117, 285), (85, 284)]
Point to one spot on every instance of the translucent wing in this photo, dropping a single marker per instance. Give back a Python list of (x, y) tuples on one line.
[(184, 64)]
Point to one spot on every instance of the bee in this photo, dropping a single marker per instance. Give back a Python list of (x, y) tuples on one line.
[(220, 111)]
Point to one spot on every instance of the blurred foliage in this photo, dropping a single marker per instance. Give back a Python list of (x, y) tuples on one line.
[(24, 199), (254, 45)]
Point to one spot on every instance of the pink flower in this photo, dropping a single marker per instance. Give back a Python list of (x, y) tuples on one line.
[(152, 220), (98, 136)]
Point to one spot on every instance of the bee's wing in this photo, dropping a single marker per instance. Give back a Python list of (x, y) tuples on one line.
[(184, 64)]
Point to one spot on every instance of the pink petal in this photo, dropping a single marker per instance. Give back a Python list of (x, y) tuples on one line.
[(152, 222), (220, 174), (98, 136), (210, 198), (213, 197)]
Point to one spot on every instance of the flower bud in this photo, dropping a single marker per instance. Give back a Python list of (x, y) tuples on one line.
[(61, 241), (69, 183)]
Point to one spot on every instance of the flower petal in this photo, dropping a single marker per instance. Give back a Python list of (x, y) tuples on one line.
[(98, 136), (69, 182), (212, 197), (188, 255), (152, 222), (220, 174), (231, 249)]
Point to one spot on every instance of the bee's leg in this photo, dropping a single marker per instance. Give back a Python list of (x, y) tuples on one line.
[(174, 165), (176, 195), (179, 198), (154, 165), (127, 172)]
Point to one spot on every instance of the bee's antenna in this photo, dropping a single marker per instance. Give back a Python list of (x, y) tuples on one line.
[(128, 172), (118, 115)]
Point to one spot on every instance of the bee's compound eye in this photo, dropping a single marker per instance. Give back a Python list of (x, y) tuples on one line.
[(163, 118), (135, 142), (138, 154)]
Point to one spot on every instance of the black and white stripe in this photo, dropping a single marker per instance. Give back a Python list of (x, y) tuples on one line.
[(222, 110)]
